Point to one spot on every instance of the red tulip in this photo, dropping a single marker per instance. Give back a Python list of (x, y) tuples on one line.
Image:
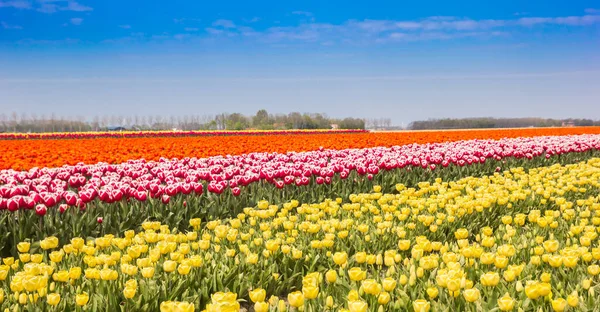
[(41, 210), (12, 204), (100, 220), (166, 199)]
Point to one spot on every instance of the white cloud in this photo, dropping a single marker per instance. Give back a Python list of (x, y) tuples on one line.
[(17, 4), (191, 29), (223, 23), (8, 26), (76, 21)]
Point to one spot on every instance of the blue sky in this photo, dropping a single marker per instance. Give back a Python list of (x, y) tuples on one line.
[(398, 59)]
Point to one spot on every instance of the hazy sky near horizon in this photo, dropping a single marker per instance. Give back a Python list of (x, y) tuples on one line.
[(402, 60)]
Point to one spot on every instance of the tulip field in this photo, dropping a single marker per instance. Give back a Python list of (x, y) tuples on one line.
[(486, 220)]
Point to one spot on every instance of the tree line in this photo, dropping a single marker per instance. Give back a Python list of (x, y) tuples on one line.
[(262, 120), (489, 122)]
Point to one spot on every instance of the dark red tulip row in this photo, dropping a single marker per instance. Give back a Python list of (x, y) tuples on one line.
[(154, 134)]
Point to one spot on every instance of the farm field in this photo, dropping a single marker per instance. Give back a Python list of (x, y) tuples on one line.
[(490, 220)]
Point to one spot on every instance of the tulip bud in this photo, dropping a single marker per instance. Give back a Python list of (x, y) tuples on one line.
[(329, 301)]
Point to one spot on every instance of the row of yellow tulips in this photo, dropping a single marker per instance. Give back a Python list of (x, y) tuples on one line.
[(518, 239)]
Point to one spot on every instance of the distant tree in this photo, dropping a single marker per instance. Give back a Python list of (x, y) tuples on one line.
[(261, 119)]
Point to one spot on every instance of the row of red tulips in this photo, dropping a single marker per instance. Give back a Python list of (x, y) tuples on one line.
[(151, 134)]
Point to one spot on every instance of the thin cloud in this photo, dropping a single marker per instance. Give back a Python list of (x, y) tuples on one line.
[(224, 23), (75, 6), (592, 11), (30, 41), (191, 29), (185, 19), (214, 31), (508, 75), (181, 36), (125, 26), (52, 6), (76, 21), (8, 26), (17, 4), (567, 21), (252, 20), (430, 28), (303, 13)]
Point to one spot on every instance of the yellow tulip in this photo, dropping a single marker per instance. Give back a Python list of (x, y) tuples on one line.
[(586, 284), (509, 275), (23, 247), (331, 276), (22, 299), (371, 287), (129, 293), (329, 302), (461, 233), (532, 290), (573, 299), (61, 276), (356, 274), (25, 257), (147, 272), (357, 306), (506, 303), (340, 258), (77, 243), (384, 298), (258, 295), (388, 284), (183, 269), (82, 299), (559, 304), (555, 261), (471, 295), (310, 291), (37, 258), (353, 295), (593, 269), (74, 273), (490, 279), (404, 245), (296, 299), (261, 306), (361, 257), (421, 305), (432, 292), (169, 266)]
